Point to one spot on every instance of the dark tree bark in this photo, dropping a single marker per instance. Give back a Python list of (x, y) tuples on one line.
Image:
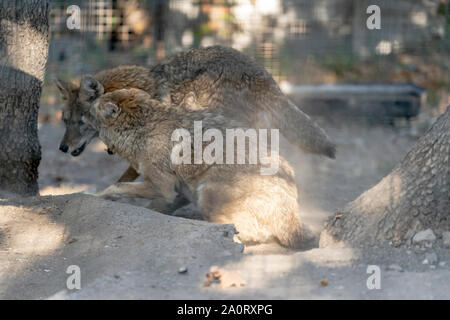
[(24, 28), (413, 197), (160, 17)]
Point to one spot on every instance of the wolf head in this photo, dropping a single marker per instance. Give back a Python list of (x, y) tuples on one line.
[(78, 100)]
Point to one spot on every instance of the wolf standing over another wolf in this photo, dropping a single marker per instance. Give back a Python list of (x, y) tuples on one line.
[(204, 78), (263, 208)]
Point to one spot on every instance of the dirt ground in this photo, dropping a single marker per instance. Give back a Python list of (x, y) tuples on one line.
[(126, 251)]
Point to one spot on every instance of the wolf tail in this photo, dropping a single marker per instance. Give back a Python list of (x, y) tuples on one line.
[(300, 129)]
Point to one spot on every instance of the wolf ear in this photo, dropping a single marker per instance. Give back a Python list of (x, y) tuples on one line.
[(109, 110), (65, 88), (90, 89)]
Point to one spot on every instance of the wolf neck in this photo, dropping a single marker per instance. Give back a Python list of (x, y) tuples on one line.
[(126, 142), (129, 134)]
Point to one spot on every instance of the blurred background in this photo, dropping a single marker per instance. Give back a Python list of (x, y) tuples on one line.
[(374, 91), (300, 41)]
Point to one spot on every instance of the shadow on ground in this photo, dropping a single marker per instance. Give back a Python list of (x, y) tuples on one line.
[(129, 252)]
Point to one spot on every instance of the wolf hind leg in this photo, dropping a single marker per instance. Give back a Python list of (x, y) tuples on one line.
[(268, 213)]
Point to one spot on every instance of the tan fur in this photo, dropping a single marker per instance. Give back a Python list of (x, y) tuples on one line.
[(263, 208), (201, 79)]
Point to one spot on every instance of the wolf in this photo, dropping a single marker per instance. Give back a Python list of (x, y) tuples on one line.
[(199, 79), (263, 208)]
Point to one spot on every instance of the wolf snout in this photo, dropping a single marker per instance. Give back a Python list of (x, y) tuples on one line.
[(78, 151), (64, 148)]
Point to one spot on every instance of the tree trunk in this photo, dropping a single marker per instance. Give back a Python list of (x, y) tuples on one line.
[(413, 197), (24, 29), (160, 18)]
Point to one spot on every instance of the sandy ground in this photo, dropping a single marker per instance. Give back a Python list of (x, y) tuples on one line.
[(126, 251)]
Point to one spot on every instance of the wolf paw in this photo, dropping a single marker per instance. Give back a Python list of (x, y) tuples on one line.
[(110, 193)]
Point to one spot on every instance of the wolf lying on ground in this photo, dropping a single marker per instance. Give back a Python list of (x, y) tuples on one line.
[(199, 79), (263, 208)]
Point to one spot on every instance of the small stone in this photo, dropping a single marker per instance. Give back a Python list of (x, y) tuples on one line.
[(182, 270), (446, 239), (442, 264), (395, 267), (425, 235)]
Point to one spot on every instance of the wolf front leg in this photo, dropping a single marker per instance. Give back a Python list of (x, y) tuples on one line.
[(164, 204), (144, 189), (128, 189)]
